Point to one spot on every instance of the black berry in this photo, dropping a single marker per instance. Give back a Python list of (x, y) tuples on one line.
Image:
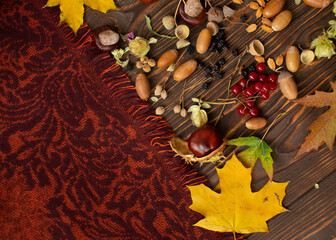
[(201, 64), (218, 50), (252, 68), (205, 86), (220, 33), (243, 18), (221, 61), (235, 52), (220, 43), (208, 70), (216, 67), (191, 49), (218, 75), (244, 72), (208, 75)]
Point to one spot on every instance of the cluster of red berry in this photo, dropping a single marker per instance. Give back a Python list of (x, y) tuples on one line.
[(254, 83)]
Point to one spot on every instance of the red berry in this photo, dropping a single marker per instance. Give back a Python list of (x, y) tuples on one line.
[(253, 76), (272, 78), (205, 140), (262, 78), (242, 110), (273, 86), (242, 83), (235, 89), (249, 92), (258, 86), (254, 112), (251, 84), (261, 67), (249, 103), (264, 95), (266, 87)]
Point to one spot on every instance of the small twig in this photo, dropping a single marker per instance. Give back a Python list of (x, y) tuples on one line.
[(178, 6), (221, 103), (233, 74), (277, 117), (234, 235), (242, 23)]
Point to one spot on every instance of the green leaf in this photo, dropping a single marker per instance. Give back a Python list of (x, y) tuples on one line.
[(206, 105), (257, 149), (149, 26)]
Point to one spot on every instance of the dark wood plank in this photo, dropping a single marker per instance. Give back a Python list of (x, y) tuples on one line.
[(288, 133)]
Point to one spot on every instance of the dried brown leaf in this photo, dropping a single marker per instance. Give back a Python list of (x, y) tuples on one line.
[(259, 59), (271, 64), (254, 5), (261, 3), (267, 29), (279, 60), (259, 12), (251, 28), (238, 1), (266, 22)]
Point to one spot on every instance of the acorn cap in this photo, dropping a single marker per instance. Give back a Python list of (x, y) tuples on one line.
[(180, 147), (182, 31), (256, 48), (307, 56), (213, 28)]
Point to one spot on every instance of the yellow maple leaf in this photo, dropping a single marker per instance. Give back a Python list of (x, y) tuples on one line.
[(236, 208), (72, 11)]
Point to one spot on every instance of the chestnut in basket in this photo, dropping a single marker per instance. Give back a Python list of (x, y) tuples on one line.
[(193, 12), (106, 38), (205, 144)]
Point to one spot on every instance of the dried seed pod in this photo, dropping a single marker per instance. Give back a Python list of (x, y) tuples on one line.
[(267, 29), (164, 94), (273, 7), (293, 59), (271, 64), (167, 58), (256, 48), (307, 56), (259, 59), (254, 5), (287, 85), (318, 3), (215, 14), (183, 112), (259, 12), (279, 60), (251, 28), (151, 62), (139, 64), (177, 108), (159, 111), (142, 86), (282, 20), (237, 1), (256, 123), (182, 43), (266, 22), (168, 22), (185, 70), (182, 31), (213, 28), (261, 3), (228, 12), (146, 68), (158, 90), (203, 41)]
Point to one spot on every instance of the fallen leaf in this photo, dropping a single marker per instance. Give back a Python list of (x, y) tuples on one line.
[(323, 129), (236, 208), (72, 12), (259, 12), (258, 149), (267, 29), (259, 59), (279, 60), (251, 28), (271, 63)]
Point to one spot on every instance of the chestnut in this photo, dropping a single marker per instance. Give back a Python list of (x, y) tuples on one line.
[(194, 21), (106, 38), (205, 140)]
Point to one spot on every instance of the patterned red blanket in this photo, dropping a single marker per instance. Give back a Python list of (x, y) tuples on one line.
[(81, 157)]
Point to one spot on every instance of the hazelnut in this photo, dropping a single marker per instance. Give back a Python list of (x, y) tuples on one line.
[(193, 8)]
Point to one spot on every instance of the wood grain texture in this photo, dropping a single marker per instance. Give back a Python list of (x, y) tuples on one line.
[(312, 214)]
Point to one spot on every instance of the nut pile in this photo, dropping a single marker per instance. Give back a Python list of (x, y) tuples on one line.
[(145, 64)]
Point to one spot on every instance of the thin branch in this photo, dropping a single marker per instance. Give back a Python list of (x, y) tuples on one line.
[(277, 117)]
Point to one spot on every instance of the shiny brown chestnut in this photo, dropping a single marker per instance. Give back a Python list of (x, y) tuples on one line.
[(106, 38), (194, 21), (205, 140)]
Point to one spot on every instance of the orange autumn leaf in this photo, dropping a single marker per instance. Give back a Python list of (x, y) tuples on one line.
[(72, 11), (323, 129), (236, 208)]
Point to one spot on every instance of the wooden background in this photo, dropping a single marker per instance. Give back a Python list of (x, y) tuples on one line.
[(312, 212)]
